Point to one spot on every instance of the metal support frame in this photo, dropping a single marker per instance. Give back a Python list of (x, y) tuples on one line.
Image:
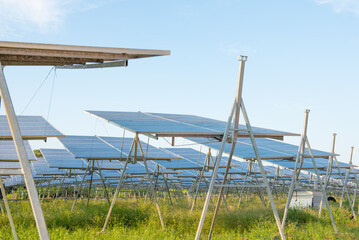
[(296, 172), (103, 182), (235, 111), (345, 182), (134, 147), (23, 159), (345, 189), (80, 186)]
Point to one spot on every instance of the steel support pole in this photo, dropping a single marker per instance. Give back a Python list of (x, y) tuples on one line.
[(214, 173), (1, 207), (197, 189), (104, 184), (235, 110), (346, 176), (92, 172), (150, 181), (23, 159), (80, 186), (264, 177), (115, 196), (222, 189), (12, 225), (328, 173), (297, 159), (345, 187), (321, 185)]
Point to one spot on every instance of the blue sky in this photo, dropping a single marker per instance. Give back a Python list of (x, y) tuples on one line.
[(301, 54)]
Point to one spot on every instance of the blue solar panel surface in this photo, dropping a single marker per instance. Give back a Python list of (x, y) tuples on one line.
[(90, 147), (41, 168), (61, 158), (268, 148), (172, 124), (31, 127), (149, 151), (8, 151)]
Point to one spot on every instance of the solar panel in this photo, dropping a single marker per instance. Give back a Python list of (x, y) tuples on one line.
[(31, 128), (268, 148), (151, 153), (321, 163), (41, 168), (90, 147), (10, 165), (108, 165), (112, 174), (61, 158), (8, 151), (183, 163), (217, 124), (175, 124), (137, 169)]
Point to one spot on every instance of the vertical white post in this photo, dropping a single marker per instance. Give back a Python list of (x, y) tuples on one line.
[(328, 173), (264, 177), (214, 174), (12, 225), (23, 159), (295, 175), (236, 111)]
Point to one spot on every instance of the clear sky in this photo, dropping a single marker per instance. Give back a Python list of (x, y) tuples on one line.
[(301, 54)]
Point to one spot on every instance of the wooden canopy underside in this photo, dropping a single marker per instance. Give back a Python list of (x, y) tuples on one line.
[(30, 54)]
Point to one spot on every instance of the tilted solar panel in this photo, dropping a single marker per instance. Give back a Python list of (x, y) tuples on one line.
[(321, 163), (8, 151), (268, 148), (182, 163), (150, 152), (41, 168), (61, 158), (90, 147), (161, 124), (31, 128)]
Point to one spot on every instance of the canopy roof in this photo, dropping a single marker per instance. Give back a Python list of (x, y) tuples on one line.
[(20, 53)]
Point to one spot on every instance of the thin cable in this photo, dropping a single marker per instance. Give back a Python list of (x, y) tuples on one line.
[(50, 102), (38, 89)]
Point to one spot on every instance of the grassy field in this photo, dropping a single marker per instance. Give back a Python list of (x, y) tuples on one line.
[(132, 220)]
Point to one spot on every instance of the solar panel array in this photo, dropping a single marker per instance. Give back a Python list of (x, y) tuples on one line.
[(99, 160)]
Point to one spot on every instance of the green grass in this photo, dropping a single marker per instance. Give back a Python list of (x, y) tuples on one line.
[(132, 220)]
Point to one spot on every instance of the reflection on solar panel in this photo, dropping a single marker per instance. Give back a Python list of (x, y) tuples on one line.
[(137, 169), (61, 158), (268, 148), (42, 169), (8, 151), (149, 151), (321, 163), (188, 159), (176, 124), (90, 147), (31, 127), (106, 165), (10, 165)]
